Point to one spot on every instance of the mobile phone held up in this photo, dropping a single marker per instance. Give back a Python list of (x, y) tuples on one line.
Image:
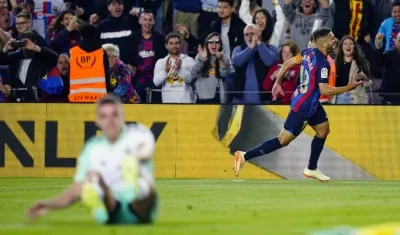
[(18, 44)]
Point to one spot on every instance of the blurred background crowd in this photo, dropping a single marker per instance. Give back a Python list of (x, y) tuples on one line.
[(191, 51)]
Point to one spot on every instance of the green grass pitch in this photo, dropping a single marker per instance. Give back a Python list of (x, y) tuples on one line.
[(190, 207)]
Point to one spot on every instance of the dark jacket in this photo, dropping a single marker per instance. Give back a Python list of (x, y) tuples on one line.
[(41, 62), (193, 6), (389, 60), (90, 45), (109, 31), (235, 33), (64, 40), (342, 17)]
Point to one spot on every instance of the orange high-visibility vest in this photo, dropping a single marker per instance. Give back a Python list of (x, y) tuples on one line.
[(331, 80), (87, 75)]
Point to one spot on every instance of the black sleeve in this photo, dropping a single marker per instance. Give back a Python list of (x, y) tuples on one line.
[(382, 58), (370, 28), (48, 56), (194, 42), (10, 57), (106, 65)]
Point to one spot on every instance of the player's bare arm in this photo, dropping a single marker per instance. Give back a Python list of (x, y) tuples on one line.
[(277, 89), (65, 199), (296, 60), (325, 89)]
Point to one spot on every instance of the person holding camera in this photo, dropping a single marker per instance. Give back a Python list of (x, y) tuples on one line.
[(28, 61)]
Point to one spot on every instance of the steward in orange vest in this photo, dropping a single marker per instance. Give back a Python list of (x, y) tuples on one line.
[(88, 68), (332, 75), (331, 80)]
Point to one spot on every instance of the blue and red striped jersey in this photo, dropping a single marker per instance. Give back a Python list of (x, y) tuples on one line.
[(314, 69)]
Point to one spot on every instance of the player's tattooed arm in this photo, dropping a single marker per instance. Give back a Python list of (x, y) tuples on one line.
[(286, 66)]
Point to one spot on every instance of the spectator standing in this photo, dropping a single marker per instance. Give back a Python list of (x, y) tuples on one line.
[(383, 10), (160, 16), (173, 73), (44, 13), (208, 13), (136, 7), (55, 86), (4, 26), (65, 32), (120, 76), (210, 70), (252, 62), (228, 25), (5, 84), (390, 61), (302, 22), (89, 68), (186, 13), (355, 18), (83, 9), (146, 47), (390, 28), (351, 64), (289, 82), (28, 63), (4, 4), (117, 29), (278, 35), (247, 10), (262, 18)]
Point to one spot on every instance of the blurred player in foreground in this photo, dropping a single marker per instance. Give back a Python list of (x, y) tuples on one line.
[(114, 176), (305, 105)]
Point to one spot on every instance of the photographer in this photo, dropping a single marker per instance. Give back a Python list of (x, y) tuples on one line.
[(29, 61)]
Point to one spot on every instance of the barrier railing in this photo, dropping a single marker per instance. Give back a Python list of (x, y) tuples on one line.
[(374, 97)]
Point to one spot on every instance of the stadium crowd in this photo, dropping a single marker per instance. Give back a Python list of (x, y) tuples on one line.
[(191, 51)]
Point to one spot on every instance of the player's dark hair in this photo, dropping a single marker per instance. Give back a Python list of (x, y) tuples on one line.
[(230, 2), (172, 35), (109, 99), (320, 33)]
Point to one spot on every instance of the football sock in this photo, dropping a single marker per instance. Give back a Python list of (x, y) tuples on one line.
[(266, 147), (317, 145)]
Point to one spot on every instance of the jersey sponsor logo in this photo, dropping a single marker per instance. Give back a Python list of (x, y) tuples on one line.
[(146, 54), (324, 73)]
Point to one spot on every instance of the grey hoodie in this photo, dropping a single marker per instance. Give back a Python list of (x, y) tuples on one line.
[(301, 26), (206, 86)]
